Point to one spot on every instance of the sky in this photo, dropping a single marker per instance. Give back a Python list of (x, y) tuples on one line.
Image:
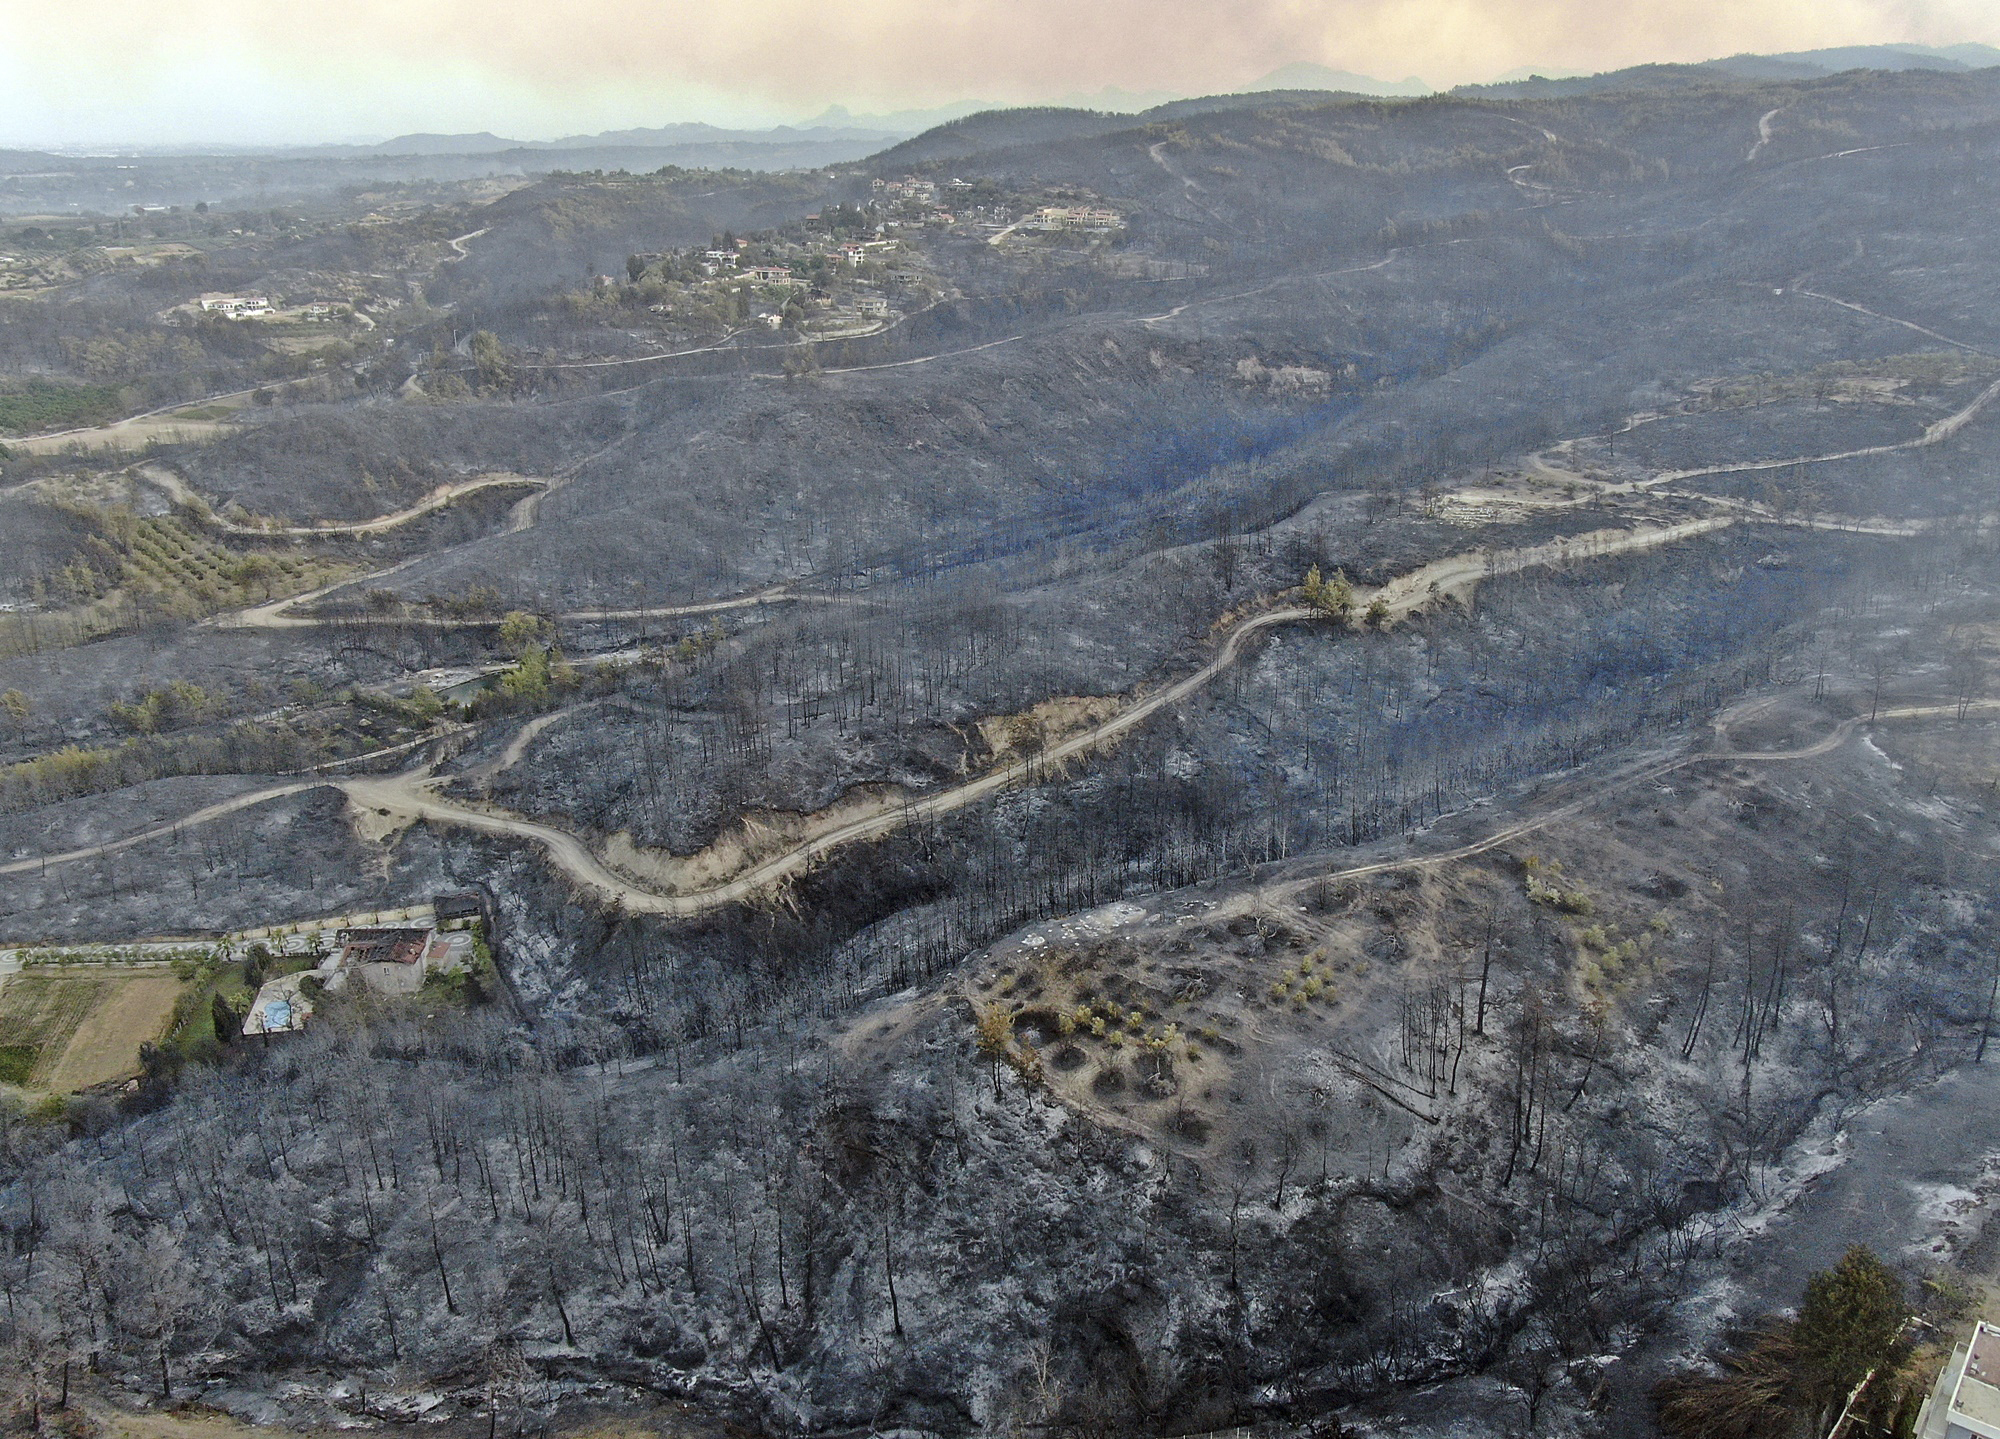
[(294, 71)]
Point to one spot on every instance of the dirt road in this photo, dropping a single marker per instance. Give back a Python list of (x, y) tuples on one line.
[(178, 491), (1935, 433), (1892, 320), (162, 831), (135, 432), (1292, 885), (1763, 133), (412, 795)]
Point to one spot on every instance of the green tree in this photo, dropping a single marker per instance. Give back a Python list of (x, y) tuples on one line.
[(426, 703), (520, 632), (1334, 597), (1848, 1324), (228, 1023), (1793, 1378), (17, 707), (254, 572), (491, 359), (528, 682)]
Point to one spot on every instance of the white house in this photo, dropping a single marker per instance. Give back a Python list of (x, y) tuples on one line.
[(235, 307), (1966, 1402)]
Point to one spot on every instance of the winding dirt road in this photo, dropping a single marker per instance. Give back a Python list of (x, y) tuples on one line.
[(1294, 884), (133, 432), (178, 491), (1763, 133), (412, 795), (1936, 433)]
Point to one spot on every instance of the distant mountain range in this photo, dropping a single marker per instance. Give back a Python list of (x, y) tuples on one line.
[(1797, 65), (836, 135), (1806, 63), (663, 137), (836, 125), (1306, 76)]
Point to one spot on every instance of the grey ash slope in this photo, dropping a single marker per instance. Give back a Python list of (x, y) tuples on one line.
[(1496, 317), (1296, 1212)]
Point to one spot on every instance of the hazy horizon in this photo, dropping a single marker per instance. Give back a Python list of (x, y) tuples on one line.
[(116, 73)]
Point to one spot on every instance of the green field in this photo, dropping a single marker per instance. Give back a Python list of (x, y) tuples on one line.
[(39, 1016), (40, 405)]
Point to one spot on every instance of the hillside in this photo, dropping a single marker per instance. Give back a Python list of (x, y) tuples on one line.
[(1295, 761)]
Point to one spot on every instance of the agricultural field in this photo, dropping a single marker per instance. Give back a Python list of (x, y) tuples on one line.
[(38, 405), (68, 1032), (133, 567)]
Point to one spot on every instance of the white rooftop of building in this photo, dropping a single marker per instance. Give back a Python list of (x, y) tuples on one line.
[(1966, 1402)]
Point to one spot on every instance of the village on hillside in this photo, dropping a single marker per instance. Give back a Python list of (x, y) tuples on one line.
[(848, 270)]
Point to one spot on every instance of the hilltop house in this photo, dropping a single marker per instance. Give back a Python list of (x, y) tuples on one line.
[(235, 307), (1075, 217), (395, 961)]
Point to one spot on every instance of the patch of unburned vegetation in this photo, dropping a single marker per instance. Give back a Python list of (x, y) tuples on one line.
[(71, 1031)]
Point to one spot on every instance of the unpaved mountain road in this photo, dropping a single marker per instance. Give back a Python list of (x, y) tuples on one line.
[(1892, 320), (275, 615), (1936, 433), (135, 432), (177, 490), (1291, 883), (235, 803), (1763, 133), (412, 795)]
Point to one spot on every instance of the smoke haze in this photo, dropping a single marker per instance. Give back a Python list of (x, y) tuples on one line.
[(245, 70)]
